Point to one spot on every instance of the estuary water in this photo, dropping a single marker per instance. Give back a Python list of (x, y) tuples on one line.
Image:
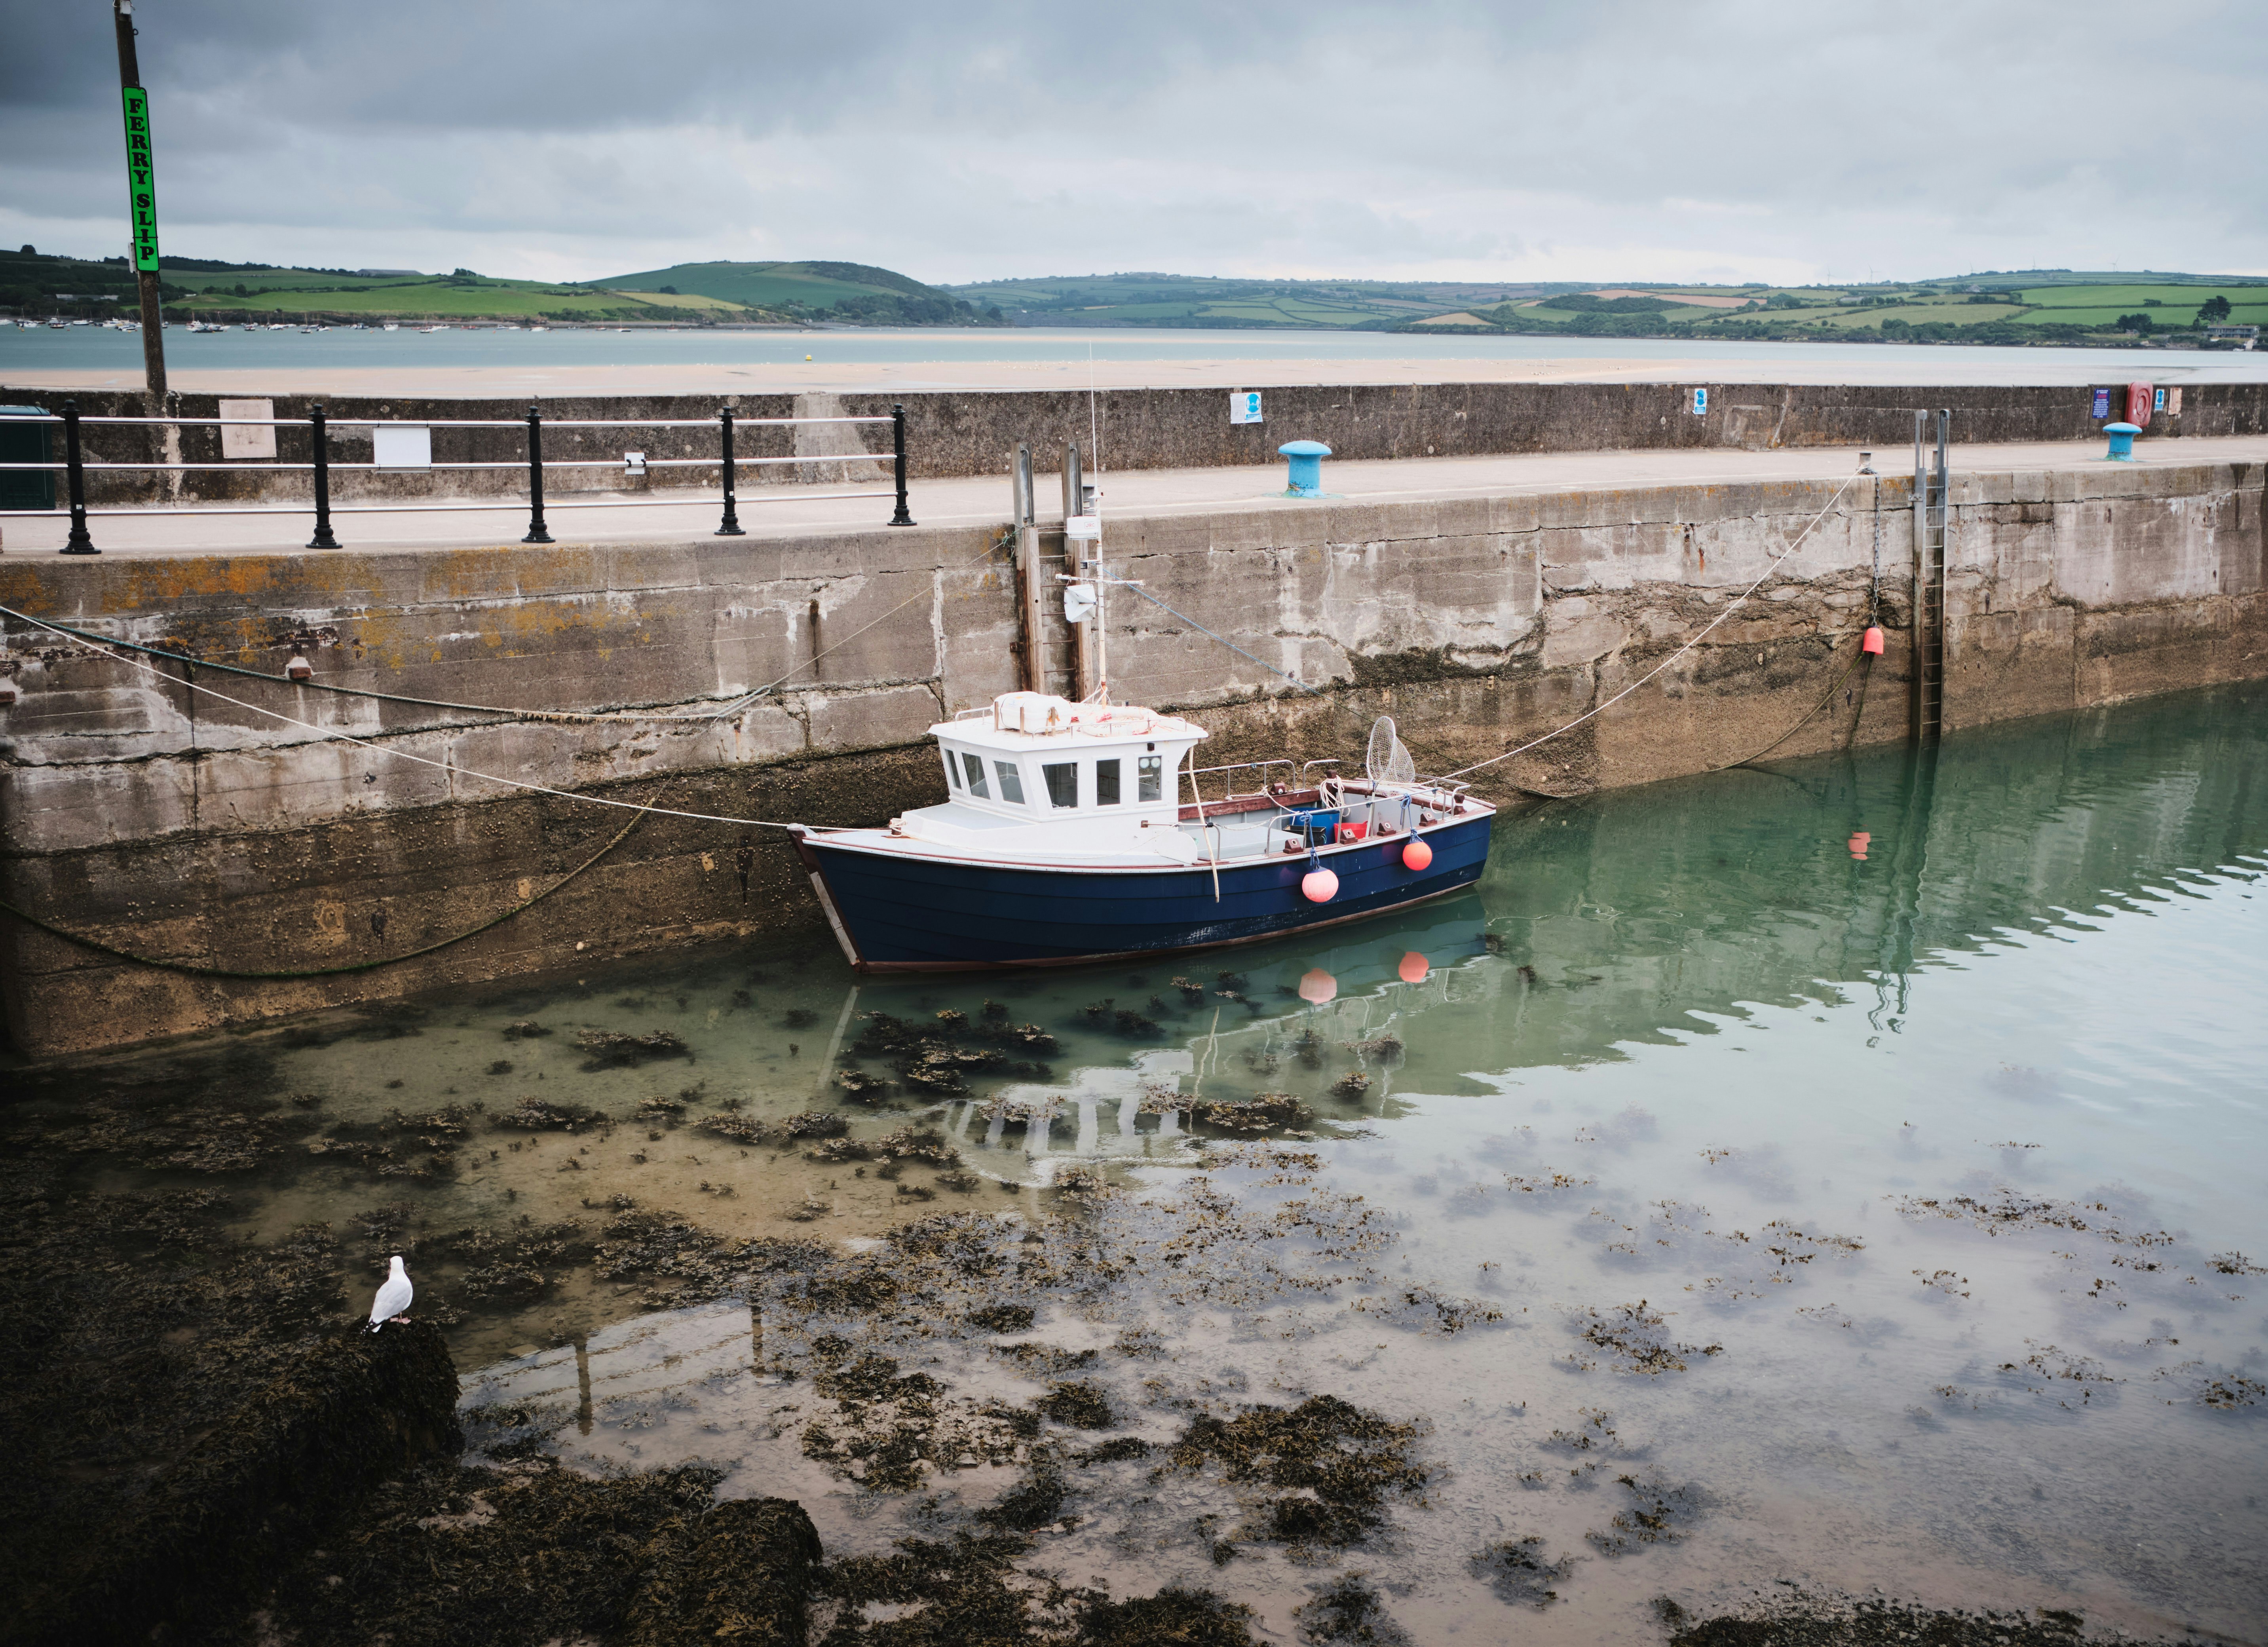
[(1835, 1175), (1029, 356)]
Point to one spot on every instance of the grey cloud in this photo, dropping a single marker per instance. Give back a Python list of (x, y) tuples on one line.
[(985, 140)]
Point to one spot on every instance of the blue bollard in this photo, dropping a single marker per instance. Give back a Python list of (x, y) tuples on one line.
[(1306, 465), (2122, 441)]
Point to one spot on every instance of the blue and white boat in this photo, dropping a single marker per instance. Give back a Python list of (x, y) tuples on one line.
[(1080, 831)]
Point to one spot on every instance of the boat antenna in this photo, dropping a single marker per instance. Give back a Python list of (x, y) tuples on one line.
[(1094, 445)]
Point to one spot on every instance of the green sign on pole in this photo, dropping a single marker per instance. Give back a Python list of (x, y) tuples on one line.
[(141, 179)]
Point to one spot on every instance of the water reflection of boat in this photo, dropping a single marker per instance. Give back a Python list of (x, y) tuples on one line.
[(1065, 838)]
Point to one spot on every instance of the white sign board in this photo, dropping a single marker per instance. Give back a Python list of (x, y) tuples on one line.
[(247, 439), (1244, 406), (402, 446), (1700, 402)]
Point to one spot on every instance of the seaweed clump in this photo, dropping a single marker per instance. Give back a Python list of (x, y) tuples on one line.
[(893, 1149), (937, 1058), (741, 1572), (967, 1588), (612, 1049), (1079, 1403), (1332, 1465), (1639, 1337), (748, 1130), (1516, 1570), (1267, 1112), (1657, 1514), (1002, 1317), (1349, 1611), (546, 1115)]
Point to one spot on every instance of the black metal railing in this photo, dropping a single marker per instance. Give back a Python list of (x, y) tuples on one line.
[(320, 466)]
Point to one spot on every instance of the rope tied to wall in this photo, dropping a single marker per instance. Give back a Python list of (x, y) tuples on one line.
[(195, 969)]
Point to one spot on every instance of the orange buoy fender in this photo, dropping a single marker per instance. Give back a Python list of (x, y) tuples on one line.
[(1413, 968), (1859, 843), (1416, 856), (1319, 885), (1317, 986), (1871, 644)]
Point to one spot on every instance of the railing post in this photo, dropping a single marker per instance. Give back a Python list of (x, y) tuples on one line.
[(78, 543), (537, 532), (319, 433), (898, 446), (731, 526)]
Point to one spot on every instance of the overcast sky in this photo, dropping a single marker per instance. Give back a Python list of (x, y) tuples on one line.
[(1568, 139)]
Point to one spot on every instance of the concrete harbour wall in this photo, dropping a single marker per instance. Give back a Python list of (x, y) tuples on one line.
[(973, 432), (174, 825)]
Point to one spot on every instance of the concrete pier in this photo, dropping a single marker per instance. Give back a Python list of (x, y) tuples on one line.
[(1481, 599)]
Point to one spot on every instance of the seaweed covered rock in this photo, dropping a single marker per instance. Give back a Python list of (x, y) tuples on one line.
[(348, 1410), (1332, 1465), (454, 1555), (1263, 1115), (739, 1575), (1837, 1620)]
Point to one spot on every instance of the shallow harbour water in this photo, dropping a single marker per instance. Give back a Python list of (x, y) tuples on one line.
[(1738, 1209)]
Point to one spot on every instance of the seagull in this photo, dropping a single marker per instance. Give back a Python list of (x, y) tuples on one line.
[(392, 1298)]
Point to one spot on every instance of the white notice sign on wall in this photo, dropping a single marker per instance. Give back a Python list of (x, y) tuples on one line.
[(247, 439), (1244, 406), (402, 446)]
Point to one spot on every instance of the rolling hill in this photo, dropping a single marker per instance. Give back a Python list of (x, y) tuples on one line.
[(1205, 301), (35, 283), (847, 292)]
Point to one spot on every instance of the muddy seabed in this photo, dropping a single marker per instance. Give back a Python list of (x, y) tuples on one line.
[(1717, 1234)]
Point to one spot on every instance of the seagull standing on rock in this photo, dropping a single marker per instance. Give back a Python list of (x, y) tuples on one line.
[(392, 1298)]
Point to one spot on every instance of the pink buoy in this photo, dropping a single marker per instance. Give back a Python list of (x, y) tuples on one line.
[(1859, 843), (1413, 968), (1872, 641), (1321, 886), (1317, 986), (1416, 856)]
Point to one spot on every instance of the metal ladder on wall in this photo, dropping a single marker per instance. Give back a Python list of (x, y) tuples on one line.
[(1931, 506)]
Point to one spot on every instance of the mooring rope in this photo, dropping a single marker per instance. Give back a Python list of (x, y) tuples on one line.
[(1833, 687), (728, 707), (422, 760), (1224, 640), (195, 969), (1732, 606)]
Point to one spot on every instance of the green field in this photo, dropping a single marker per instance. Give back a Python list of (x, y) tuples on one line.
[(453, 299), (2166, 305)]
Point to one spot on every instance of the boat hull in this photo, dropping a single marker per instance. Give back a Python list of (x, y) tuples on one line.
[(898, 911)]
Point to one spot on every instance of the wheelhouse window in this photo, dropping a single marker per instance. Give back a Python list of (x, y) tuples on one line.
[(1150, 770), (1106, 783), (974, 766), (1011, 782), (1063, 783), (953, 769)]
